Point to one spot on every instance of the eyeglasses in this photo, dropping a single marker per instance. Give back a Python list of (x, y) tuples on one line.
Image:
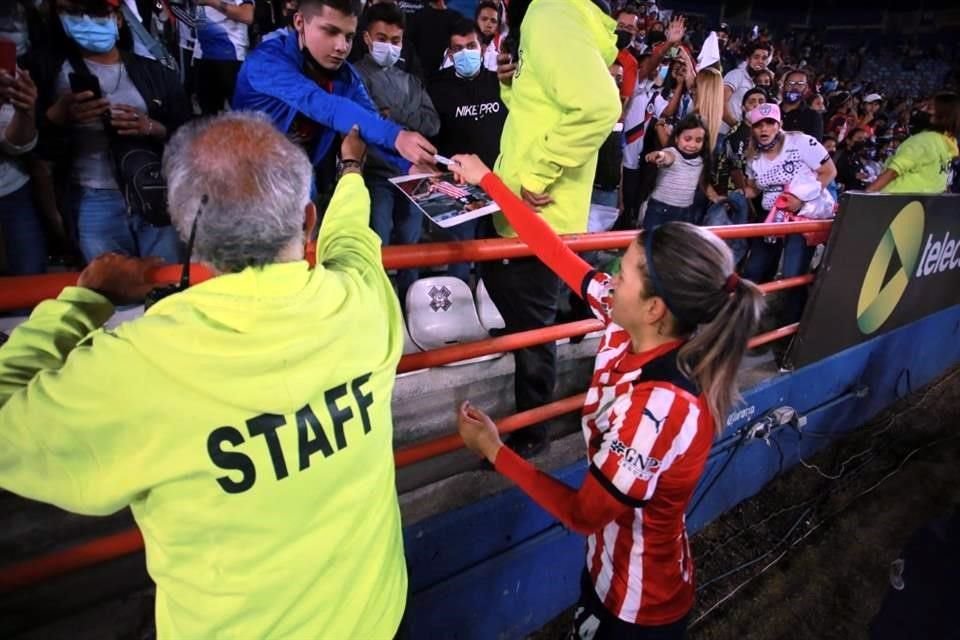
[(797, 83)]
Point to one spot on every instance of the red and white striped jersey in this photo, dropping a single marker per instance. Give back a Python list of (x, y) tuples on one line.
[(648, 435)]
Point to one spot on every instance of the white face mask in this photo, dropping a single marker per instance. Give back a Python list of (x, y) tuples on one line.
[(385, 54)]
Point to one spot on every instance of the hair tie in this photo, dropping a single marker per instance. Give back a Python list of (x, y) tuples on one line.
[(732, 282)]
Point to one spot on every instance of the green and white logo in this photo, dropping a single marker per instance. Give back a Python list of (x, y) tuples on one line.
[(900, 245)]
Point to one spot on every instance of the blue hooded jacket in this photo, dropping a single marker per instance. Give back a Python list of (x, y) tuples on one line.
[(272, 81)]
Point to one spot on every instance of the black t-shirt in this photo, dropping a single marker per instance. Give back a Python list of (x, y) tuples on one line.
[(804, 119), (471, 114)]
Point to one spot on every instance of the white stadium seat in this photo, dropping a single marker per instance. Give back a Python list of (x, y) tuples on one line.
[(489, 315), (441, 312)]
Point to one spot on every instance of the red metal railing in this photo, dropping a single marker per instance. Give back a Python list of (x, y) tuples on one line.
[(25, 292)]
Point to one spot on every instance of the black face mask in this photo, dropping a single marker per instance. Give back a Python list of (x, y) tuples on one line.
[(857, 147), (624, 38)]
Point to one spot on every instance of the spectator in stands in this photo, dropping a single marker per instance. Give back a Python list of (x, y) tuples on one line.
[(487, 18), (467, 99), (563, 105), (740, 80), (428, 31), (851, 174), (628, 22), (683, 167), (775, 158), (921, 163), (21, 227), (257, 477), (408, 57), (869, 110), (676, 306), (728, 59), (401, 97), (301, 80), (797, 116), (818, 105), (221, 47), (738, 140), (142, 103), (765, 80)]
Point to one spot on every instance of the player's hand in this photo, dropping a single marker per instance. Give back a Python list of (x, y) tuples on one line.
[(479, 432), (469, 168), (121, 279), (506, 67), (415, 148)]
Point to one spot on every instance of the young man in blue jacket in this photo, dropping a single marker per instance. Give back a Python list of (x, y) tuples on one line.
[(300, 78)]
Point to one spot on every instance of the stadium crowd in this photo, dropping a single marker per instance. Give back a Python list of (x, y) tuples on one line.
[(232, 131), (95, 80)]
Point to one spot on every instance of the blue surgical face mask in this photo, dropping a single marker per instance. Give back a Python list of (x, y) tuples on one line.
[(829, 86), (97, 35), (467, 62), (385, 54)]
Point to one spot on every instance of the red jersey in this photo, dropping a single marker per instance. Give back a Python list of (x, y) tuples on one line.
[(648, 435)]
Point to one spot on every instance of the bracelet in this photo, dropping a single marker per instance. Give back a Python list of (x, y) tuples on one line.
[(350, 162)]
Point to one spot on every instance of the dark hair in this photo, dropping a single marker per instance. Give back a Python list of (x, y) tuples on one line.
[(946, 114), (486, 4), (694, 121), (464, 27), (387, 13), (752, 92), (827, 138), (694, 276), (755, 46), (516, 11), (346, 7), (630, 9)]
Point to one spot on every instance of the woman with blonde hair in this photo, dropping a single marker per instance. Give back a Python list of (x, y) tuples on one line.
[(708, 102), (677, 320)]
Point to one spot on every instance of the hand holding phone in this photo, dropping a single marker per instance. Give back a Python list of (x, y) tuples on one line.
[(85, 104)]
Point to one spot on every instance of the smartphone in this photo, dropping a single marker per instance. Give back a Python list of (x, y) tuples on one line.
[(80, 82), (674, 52), (8, 57)]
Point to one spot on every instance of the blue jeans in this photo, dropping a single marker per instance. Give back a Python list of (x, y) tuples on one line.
[(762, 267), (659, 213), (734, 211), (464, 231), (397, 221), (22, 233), (103, 225)]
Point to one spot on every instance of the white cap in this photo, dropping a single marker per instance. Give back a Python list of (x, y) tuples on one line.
[(873, 97)]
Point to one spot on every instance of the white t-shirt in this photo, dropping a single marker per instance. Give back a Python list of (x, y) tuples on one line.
[(740, 81), (800, 153), (219, 37), (640, 113)]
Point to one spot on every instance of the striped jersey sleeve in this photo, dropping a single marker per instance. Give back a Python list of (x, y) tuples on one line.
[(597, 291), (650, 428)]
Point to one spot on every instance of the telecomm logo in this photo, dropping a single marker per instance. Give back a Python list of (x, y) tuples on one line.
[(902, 239)]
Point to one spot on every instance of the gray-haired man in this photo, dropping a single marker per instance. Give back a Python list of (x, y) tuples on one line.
[(245, 421)]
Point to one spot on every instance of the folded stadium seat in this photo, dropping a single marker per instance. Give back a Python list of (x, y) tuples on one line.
[(441, 312), (409, 346), (489, 315)]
